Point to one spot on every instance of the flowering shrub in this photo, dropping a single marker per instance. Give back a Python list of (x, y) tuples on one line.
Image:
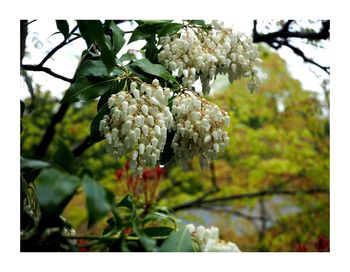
[(203, 52), (148, 113)]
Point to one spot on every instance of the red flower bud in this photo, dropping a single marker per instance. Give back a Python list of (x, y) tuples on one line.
[(119, 174), (127, 165)]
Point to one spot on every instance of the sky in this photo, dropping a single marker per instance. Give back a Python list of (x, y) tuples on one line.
[(40, 41)]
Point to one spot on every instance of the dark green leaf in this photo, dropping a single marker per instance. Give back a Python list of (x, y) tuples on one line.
[(139, 73), (85, 89), (96, 68), (35, 164), (138, 34), (168, 152), (103, 99), (157, 231), (54, 190), (154, 69), (148, 243), (92, 31), (147, 29), (126, 202), (178, 241), (64, 157), (99, 201), (84, 171), (115, 88), (170, 29), (63, 27), (117, 37), (95, 135), (151, 50)]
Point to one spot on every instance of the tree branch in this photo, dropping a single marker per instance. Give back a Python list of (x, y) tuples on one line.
[(78, 150), (200, 201), (58, 47), (40, 67), (300, 53), (50, 130), (281, 38), (233, 212), (36, 68), (284, 33)]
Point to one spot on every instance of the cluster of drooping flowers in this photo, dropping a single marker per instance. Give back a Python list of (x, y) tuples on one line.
[(137, 124), (201, 53), (199, 127), (208, 240)]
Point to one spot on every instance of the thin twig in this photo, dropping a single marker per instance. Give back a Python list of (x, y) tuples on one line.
[(281, 38), (201, 201), (40, 67), (53, 51), (36, 68)]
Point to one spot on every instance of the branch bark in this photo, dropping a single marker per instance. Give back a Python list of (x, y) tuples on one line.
[(77, 151), (50, 131), (37, 68), (282, 37), (40, 67), (199, 202)]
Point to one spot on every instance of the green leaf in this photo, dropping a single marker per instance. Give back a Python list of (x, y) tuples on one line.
[(96, 68), (54, 190), (92, 31), (139, 73), (85, 89), (178, 241), (168, 151), (115, 88), (127, 202), (147, 29), (152, 22), (99, 200), (148, 243), (170, 29), (157, 231), (151, 50), (196, 22), (154, 69), (64, 157), (127, 57), (159, 217), (95, 135), (117, 38), (63, 27), (138, 34), (34, 164)]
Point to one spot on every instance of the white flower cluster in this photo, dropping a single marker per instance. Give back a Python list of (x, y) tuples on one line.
[(199, 128), (208, 240), (137, 124), (198, 53)]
